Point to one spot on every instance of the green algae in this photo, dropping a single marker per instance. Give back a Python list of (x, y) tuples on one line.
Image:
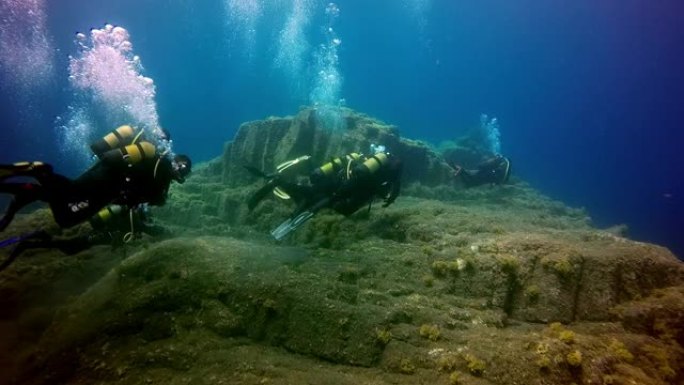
[(347, 298)]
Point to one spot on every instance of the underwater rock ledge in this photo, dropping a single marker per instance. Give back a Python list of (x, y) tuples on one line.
[(447, 286), (266, 143)]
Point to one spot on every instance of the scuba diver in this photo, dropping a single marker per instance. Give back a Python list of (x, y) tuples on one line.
[(495, 170), (114, 225), (128, 172), (345, 184), (121, 224)]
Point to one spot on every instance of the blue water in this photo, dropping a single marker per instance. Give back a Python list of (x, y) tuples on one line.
[(588, 94)]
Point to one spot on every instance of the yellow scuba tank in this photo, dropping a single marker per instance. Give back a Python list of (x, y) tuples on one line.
[(105, 215), (131, 154), (373, 163), (336, 164), (115, 139)]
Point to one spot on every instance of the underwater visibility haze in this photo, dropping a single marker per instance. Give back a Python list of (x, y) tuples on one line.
[(587, 94), (582, 99)]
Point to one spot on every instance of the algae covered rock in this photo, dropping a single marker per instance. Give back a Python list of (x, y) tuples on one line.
[(491, 285), (228, 287), (266, 143)]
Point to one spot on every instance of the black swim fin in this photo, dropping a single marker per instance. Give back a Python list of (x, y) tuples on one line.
[(256, 172), (28, 169), (260, 194), (5, 172), (40, 234)]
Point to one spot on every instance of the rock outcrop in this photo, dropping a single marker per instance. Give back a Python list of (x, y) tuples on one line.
[(446, 286), (265, 144)]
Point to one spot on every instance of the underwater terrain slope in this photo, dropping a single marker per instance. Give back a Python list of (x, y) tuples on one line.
[(491, 285)]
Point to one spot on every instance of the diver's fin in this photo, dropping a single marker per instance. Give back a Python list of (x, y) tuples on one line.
[(11, 241), (282, 230), (5, 264), (259, 195), (5, 172), (279, 169), (255, 171), (290, 225), (19, 238), (286, 190), (293, 223), (298, 193), (20, 247), (320, 204), (23, 169), (16, 169)]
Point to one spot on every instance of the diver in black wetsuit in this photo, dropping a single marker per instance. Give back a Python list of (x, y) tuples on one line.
[(113, 225), (121, 224), (127, 173), (495, 170), (345, 184)]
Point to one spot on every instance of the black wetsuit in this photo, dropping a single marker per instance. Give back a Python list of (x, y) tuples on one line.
[(496, 170), (112, 231), (75, 201), (345, 185), (363, 186), (347, 195)]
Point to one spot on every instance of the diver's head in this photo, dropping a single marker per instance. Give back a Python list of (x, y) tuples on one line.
[(182, 166), (377, 148)]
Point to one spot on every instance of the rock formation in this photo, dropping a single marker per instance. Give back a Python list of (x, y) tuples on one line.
[(447, 286)]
